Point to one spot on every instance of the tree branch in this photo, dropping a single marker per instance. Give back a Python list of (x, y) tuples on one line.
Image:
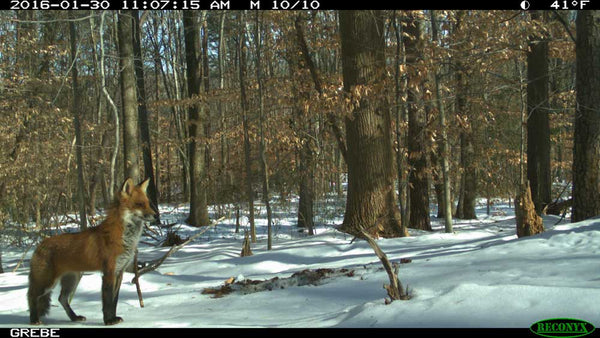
[(331, 118)]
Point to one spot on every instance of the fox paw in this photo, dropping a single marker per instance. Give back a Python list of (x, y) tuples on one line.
[(79, 319), (113, 321)]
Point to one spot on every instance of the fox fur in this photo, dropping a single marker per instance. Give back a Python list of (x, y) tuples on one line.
[(109, 248)]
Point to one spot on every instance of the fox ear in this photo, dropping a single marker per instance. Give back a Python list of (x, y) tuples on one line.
[(127, 187), (144, 184)]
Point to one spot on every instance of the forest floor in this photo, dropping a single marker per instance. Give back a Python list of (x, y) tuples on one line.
[(481, 275)]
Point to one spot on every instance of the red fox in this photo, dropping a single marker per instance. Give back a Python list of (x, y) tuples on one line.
[(109, 247)]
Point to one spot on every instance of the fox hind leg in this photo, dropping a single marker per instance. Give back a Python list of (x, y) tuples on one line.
[(39, 303), (69, 284), (38, 296)]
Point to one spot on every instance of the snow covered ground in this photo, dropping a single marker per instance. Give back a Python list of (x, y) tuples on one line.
[(480, 276)]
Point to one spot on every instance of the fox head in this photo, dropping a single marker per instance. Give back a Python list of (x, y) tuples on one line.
[(134, 202)]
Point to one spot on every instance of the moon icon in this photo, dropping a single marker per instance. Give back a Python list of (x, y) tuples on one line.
[(525, 4)]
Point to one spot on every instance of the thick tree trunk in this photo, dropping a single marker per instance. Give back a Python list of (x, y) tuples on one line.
[(586, 150), (371, 202), (198, 209), (418, 177), (466, 204), (468, 185), (538, 122), (129, 96), (528, 221)]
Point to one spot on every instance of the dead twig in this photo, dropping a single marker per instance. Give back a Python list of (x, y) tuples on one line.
[(394, 290), (136, 279)]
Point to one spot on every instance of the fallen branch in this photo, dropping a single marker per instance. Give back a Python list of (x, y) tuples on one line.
[(136, 279), (301, 278), (394, 290)]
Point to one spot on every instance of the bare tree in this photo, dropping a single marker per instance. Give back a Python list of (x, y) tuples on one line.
[(129, 96), (245, 123), (143, 111), (538, 121), (261, 117), (196, 115), (76, 111)]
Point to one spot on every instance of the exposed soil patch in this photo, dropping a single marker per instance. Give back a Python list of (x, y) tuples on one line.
[(301, 278)]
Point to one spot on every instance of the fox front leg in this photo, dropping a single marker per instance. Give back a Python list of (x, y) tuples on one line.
[(110, 292)]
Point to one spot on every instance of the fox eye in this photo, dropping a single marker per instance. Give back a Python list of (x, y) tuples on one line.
[(140, 204)]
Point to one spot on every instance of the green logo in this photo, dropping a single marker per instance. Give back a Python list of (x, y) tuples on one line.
[(562, 327)]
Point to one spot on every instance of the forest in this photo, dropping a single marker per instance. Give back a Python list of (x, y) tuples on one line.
[(461, 146), (405, 115)]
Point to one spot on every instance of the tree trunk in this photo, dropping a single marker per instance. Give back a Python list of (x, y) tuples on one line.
[(528, 222), (468, 186), (198, 209), (538, 122), (401, 115), (245, 124), (129, 96), (306, 163), (113, 159), (466, 204), (144, 127), (446, 206), (76, 111), (586, 150), (418, 178), (263, 148), (371, 202)]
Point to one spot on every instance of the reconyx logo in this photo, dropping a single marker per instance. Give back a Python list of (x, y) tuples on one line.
[(562, 327)]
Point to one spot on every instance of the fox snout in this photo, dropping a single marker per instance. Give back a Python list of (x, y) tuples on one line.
[(150, 216)]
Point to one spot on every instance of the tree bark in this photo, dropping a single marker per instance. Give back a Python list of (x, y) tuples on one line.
[(586, 150), (264, 167), (76, 111), (468, 186), (245, 125), (538, 122), (528, 221), (418, 177), (306, 163), (144, 127), (371, 202), (446, 206), (198, 207), (129, 96), (113, 159)]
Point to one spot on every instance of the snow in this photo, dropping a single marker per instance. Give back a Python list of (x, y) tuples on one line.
[(480, 276)]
